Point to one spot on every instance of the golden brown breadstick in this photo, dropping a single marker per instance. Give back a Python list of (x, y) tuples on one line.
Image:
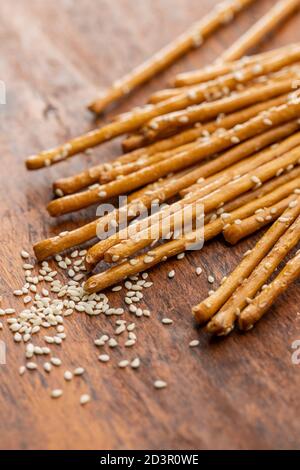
[(141, 263), (168, 93), (238, 153), (235, 232), (210, 110), (164, 58), (263, 301), (137, 118), (209, 202), (216, 143), (226, 122), (55, 245), (161, 253), (232, 156), (209, 307), (263, 190), (265, 196), (223, 322), (276, 15)]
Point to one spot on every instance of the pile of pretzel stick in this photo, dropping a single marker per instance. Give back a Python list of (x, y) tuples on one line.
[(226, 137)]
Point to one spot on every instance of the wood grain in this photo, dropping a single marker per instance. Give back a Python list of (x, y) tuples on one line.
[(237, 393)]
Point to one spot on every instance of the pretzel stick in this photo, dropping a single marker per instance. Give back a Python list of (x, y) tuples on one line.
[(263, 190), (102, 249), (232, 156), (234, 233), (210, 202), (52, 246), (259, 30), (96, 253), (168, 93), (138, 118), (229, 104), (118, 273), (164, 58), (219, 168), (223, 322), (209, 307), (226, 122), (250, 39), (114, 172), (178, 162), (263, 301)]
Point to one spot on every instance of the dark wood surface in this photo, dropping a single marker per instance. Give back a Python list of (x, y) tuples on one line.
[(237, 393)]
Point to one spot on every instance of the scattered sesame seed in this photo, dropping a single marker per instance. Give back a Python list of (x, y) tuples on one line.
[(57, 393), (123, 364), (160, 384), (104, 358), (84, 399), (68, 375)]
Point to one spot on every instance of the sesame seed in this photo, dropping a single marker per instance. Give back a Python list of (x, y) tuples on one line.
[(171, 274), (104, 358), (194, 343), (211, 279), (55, 361), (24, 254), (167, 321), (199, 271), (135, 364), (160, 384), (57, 393), (68, 375), (79, 371), (84, 399), (123, 364)]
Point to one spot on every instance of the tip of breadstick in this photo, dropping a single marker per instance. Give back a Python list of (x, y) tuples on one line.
[(232, 234), (33, 163), (90, 286), (40, 250), (89, 263), (200, 313), (244, 322)]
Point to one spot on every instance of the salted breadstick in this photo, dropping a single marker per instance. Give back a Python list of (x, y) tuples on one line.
[(251, 38), (209, 307), (235, 155), (286, 186), (210, 110), (52, 246), (263, 301), (267, 23), (138, 118), (194, 37), (199, 130), (236, 232), (216, 143), (168, 93), (167, 250), (265, 189), (113, 250), (126, 169), (223, 322), (221, 170), (209, 202)]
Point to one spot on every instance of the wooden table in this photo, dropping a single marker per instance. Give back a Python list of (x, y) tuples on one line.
[(241, 392)]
